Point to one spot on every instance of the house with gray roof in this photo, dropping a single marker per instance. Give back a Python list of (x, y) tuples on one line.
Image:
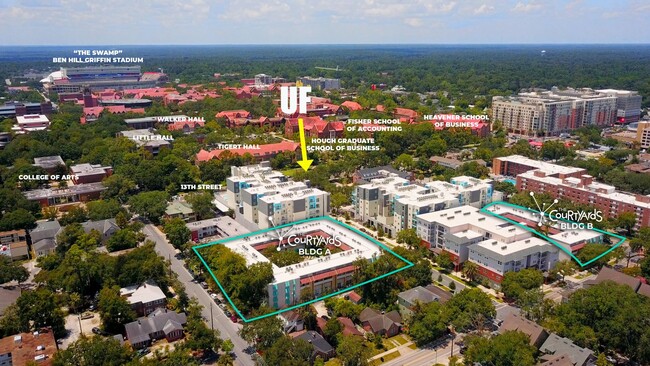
[(409, 298), (321, 347), (43, 237), (556, 345), (106, 227), (161, 323)]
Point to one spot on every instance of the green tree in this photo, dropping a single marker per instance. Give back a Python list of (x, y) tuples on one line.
[(427, 323), (122, 239), (470, 270), (626, 220), (114, 310), (201, 338), (38, 309), (151, 205), (563, 268), (102, 209), (511, 348), (93, 351), (18, 219), (331, 331), (408, 237), (118, 187), (444, 260), (177, 232), (201, 203), (289, 352), (515, 283), (12, 271), (470, 308), (264, 332), (352, 352), (554, 150)]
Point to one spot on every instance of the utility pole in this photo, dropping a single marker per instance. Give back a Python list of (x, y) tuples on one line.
[(80, 330), (211, 317)]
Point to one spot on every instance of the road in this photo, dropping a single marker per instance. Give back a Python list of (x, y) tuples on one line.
[(227, 328), (425, 357)]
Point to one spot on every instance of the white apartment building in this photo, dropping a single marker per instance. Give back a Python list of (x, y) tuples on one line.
[(556, 111), (267, 198), (393, 203), (465, 233), (628, 104)]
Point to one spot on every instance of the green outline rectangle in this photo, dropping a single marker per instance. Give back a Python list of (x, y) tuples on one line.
[(246, 320), (525, 227)]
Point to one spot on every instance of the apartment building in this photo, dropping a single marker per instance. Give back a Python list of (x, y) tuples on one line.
[(554, 112), (584, 190), (514, 165), (393, 203), (628, 104), (495, 245), (267, 198), (643, 135)]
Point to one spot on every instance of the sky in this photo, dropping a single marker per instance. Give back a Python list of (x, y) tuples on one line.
[(195, 22)]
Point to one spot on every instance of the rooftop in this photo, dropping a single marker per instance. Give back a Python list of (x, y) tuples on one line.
[(549, 168), (27, 348)]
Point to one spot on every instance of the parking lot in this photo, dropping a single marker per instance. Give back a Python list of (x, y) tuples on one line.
[(72, 326)]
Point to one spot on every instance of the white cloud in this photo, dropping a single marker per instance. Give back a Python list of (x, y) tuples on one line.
[(484, 9), (526, 7), (413, 22)]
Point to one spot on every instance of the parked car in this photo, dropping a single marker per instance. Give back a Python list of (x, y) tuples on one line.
[(96, 330), (228, 313), (143, 352), (234, 319), (204, 284)]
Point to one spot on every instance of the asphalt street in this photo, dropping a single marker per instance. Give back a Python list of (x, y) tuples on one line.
[(227, 328)]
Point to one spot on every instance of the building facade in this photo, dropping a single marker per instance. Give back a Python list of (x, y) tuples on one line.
[(393, 203)]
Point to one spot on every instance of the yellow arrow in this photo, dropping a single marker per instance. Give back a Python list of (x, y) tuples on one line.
[(304, 163)]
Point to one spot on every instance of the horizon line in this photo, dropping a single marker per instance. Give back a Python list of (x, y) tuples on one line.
[(343, 44)]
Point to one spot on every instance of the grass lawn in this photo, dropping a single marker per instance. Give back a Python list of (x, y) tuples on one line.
[(413, 346), (386, 358), (458, 279)]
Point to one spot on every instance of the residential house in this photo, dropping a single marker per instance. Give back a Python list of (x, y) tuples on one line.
[(534, 331), (561, 360), (417, 295), (348, 327), (388, 324), (161, 323), (405, 114), (180, 209), (557, 346), (354, 297), (610, 274), (43, 237), (321, 347), (144, 299), (292, 321), (106, 228), (13, 244)]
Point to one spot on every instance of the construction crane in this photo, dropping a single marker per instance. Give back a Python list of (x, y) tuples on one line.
[(330, 68)]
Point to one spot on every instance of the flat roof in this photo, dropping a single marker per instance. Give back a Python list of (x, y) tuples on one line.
[(228, 225), (549, 168), (45, 193), (361, 247), (506, 252)]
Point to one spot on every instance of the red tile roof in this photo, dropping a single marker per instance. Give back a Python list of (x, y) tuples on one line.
[(353, 106), (267, 149), (234, 114)]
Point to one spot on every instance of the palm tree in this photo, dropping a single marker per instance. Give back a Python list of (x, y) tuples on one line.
[(470, 270)]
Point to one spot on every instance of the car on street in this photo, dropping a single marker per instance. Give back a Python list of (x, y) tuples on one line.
[(228, 313), (204, 284), (234, 319)]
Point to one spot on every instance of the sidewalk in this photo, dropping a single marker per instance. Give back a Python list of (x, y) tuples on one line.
[(403, 350)]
